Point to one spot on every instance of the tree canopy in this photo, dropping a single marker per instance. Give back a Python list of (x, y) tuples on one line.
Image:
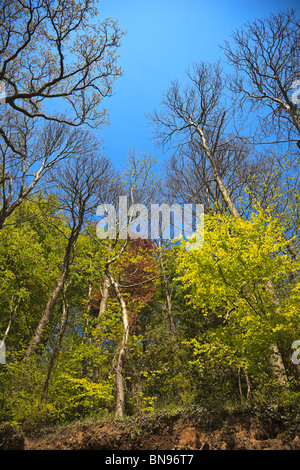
[(123, 325)]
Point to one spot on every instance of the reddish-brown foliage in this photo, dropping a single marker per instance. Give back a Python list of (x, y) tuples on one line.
[(138, 272)]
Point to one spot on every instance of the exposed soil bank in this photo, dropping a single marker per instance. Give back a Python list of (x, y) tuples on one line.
[(194, 430)]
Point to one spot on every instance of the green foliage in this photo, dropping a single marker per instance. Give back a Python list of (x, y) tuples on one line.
[(244, 275), (231, 301), (30, 257)]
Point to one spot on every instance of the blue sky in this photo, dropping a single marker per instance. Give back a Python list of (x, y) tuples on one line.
[(164, 37)]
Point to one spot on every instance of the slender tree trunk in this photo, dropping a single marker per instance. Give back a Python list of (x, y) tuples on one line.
[(248, 385), (102, 309), (43, 323), (240, 383), (293, 251), (84, 361), (276, 360), (120, 398), (104, 298), (87, 320), (240, 369), (57, 346), (167, 294), (105, 290), (13, 315), (210, 155), (277, 365)]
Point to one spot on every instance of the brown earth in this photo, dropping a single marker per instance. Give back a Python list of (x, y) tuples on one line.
[(105, 437), (199, 430)]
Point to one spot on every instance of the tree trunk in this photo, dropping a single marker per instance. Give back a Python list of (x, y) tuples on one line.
[(43, 323), (57, 346), (240, 384), (240, 369), (229, 202), (104, 298), (278, 365), (167, 294), (87, 320), (97, 341), (276, 360), (248, 385), (13, 315), (120, 398)]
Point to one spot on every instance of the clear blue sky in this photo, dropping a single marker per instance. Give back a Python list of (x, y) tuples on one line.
[(164, 37)]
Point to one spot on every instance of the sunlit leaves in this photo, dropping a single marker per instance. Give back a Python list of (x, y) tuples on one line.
[(245, 273)]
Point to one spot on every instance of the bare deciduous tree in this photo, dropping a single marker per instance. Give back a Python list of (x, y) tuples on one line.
[(190, 177), (31, 150), (55, 54), (57, 51), (265, 56), (197, 119)]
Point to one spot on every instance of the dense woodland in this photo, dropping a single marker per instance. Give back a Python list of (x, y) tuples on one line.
[(120, 326)]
